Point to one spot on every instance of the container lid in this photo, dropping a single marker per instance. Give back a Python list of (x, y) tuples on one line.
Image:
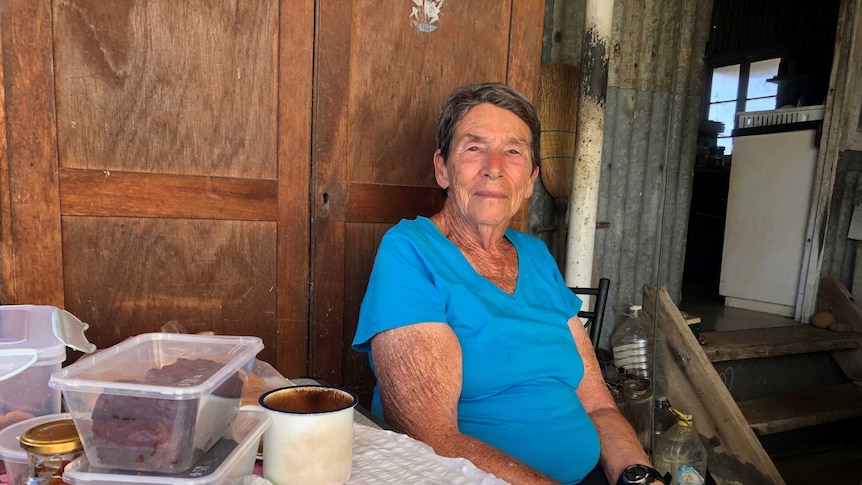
[(123, 368), (27, 338), (216, 466), (10, 447), (52, 438)]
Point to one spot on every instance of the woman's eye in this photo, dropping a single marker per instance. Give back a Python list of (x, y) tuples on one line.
[(473, 149)]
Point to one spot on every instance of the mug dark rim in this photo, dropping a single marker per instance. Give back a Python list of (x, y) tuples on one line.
[(309, 386)]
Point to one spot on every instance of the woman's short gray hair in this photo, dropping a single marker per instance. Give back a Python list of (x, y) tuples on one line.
[(463, 99)]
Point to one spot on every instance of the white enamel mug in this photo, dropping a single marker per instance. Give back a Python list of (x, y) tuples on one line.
[(310, 440)]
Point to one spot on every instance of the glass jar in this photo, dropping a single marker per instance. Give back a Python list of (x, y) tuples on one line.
[(636, 407), (50, 447)]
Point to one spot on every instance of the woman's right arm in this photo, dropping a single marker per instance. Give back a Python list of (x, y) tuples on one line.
[(418, 370)]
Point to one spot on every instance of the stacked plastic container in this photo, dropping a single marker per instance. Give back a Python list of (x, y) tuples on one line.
[(29, 354), (157, 408), (163, 408), (233, 456)]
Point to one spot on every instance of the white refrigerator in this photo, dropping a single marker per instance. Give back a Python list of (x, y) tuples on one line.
[(771, 182)]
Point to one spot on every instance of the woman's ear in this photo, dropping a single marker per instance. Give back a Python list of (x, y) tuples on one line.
[(440, 170), (532, 183)]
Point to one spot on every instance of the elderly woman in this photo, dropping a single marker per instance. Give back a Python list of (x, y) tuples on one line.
[(473, 334)]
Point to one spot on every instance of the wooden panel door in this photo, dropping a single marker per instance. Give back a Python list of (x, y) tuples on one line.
[(157, 165), (381, 80)]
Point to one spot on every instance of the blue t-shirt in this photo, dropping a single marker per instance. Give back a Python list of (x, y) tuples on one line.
[(520, 363)]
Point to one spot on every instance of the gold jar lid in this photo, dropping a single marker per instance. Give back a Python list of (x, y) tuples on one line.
[(52, 438)]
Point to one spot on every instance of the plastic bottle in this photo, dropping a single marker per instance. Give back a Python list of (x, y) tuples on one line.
[(633, 342), (680, 452), (632, 345)]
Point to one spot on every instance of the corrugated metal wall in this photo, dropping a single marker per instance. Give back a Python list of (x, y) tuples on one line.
[(652, 113), (839, 253)]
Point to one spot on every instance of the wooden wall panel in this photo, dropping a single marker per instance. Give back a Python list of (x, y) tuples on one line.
[(104, 193), (400, 76), (32, 150), (178, 159), (171, 87), (329, 190), (295, 83), (7, 248), (129, 275)]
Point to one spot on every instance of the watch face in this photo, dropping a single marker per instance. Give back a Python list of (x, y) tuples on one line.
[(635, 474)]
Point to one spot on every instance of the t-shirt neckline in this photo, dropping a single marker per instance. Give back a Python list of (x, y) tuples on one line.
[(463, 259)]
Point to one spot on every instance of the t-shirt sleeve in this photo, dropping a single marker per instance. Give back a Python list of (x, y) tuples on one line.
[(572, 301), (401, 291)]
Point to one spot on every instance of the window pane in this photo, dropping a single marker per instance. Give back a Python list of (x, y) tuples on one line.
[(725, 113), (760, 72), (725, 83), (761, 104), (727, 143)]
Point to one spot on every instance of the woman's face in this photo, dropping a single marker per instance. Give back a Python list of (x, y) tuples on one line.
[(489, 172)]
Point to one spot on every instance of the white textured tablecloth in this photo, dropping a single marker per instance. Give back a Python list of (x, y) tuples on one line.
[(385, 457)]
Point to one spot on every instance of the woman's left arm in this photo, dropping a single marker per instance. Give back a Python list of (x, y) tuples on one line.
[(620, 446)]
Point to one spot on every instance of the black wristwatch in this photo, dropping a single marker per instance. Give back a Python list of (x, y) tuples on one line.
[(641, 475)]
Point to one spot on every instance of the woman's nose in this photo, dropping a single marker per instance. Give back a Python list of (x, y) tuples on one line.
[(493, 167)]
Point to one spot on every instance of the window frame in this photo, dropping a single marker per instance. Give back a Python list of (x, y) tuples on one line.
[(742, 86)]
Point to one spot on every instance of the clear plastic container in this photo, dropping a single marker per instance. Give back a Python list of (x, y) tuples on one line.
[(29, 353), (680, 451), (231, 457), (14, 457), (157, 401), (633, 344)]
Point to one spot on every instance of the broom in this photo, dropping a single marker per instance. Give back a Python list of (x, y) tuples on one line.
[(557, 108)]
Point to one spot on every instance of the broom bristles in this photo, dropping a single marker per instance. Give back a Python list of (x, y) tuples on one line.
[(557, 108)]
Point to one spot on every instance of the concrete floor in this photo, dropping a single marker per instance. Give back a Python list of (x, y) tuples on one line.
[(715, 316)]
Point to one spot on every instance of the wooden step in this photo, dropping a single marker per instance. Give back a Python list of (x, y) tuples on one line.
[(775, 414), (775, 341)]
